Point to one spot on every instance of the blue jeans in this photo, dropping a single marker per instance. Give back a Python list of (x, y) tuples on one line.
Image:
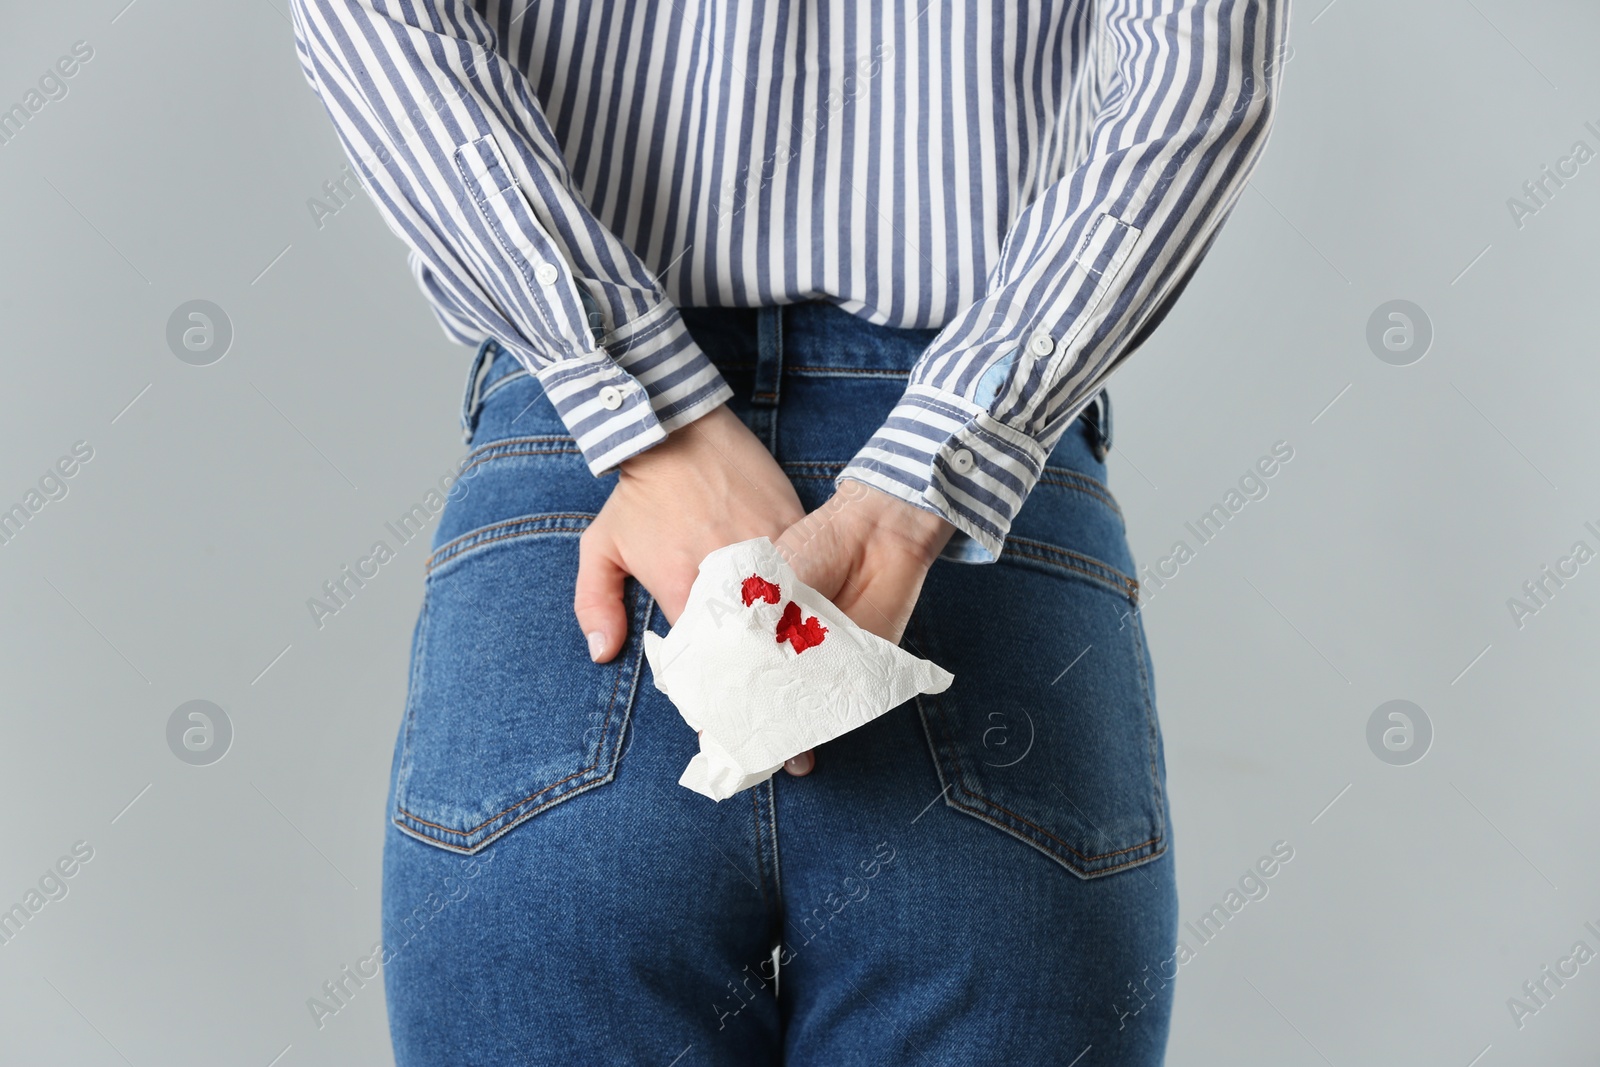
[(979, 877)]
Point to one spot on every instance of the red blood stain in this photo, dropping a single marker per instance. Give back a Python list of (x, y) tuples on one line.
[(758, 588), (800, 635)]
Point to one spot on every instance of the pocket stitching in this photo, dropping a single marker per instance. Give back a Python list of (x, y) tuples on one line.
[(980, 799), (981, 806), (1094, 487), (604, 726), (643, 610), (403, 774), (1151, 731)]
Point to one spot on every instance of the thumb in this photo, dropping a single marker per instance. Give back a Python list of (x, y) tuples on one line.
[(597, 599)]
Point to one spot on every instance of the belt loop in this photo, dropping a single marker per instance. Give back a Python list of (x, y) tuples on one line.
[(1102, 425), (769, 357), (472, 401)]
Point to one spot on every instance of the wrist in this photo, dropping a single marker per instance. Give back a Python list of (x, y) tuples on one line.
[(922, 532), (716, 425)]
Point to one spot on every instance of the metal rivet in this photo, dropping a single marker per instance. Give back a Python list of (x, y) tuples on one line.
[(546, 273), (611, 398)]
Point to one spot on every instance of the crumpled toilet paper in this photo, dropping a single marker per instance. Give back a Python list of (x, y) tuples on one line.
[(766, 668)]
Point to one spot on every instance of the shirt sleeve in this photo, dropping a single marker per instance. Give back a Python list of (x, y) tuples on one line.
[(1187, 90), (461, 162)]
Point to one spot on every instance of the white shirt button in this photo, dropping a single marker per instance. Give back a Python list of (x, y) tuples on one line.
[(1042, 344), (611, 398), (961, 460), (546, 273)]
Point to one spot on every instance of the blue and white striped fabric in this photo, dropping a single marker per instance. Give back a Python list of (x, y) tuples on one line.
[(1039, 179)]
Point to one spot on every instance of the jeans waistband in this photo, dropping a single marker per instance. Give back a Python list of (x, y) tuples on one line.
[(812, 339)]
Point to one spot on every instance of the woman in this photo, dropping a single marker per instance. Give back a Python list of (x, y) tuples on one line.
[(851, 276)]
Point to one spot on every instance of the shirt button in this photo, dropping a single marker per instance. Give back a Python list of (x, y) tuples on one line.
[(961, 460), (546, 273), (1042, 344), (611, 398)]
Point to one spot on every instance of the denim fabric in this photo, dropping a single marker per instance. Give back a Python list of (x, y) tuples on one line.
[(979, 877)]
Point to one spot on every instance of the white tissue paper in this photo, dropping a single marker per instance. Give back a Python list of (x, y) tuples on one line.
[(766, 668)]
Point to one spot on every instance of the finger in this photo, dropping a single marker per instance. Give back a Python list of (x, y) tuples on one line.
[(801, 765), (597, 598)]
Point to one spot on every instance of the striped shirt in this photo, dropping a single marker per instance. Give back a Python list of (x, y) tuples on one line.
[(1038, 180)]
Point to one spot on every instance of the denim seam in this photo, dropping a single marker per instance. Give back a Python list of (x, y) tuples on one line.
[(1123, 584), (1018, 547), (471, 400), (1150, 727), (980, 799), (524, 816), (761, 852), (505, 379), (777, 859), (604, 726), (502, 449), (980, 803), (1054, 476), (459, 546), (403, 773), (531, 439), (1058, 477), (816, 371)]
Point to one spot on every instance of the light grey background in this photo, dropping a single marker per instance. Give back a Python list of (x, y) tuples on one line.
[(1418, 501)]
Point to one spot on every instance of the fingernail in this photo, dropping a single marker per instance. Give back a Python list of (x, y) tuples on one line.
[(597, 645), (800, 765)]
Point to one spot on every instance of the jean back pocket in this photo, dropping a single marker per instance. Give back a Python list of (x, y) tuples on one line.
[(1049, 731), (506, 714)]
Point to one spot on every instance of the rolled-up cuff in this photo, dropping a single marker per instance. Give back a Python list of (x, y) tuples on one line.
[(942, 453), (657, 351), (648, 379)]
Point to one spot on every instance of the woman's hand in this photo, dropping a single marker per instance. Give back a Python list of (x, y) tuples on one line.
[(709, 484), (868, 552)]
